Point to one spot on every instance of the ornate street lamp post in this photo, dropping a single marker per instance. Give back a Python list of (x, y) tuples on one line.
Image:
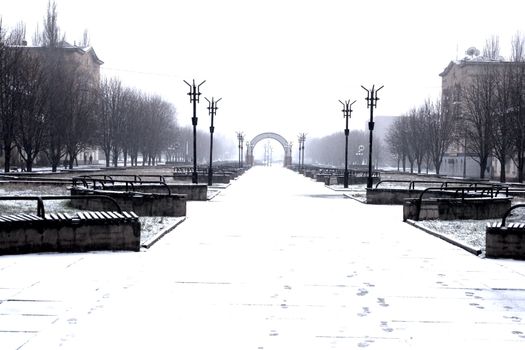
[(212, 109), (347, 112), (240, 138), (301, 138), (371, 102), (194, 98)]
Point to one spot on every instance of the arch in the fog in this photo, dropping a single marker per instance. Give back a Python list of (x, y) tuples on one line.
[(269, 135)]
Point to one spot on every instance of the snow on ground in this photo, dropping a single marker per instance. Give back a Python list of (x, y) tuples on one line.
[(274, 262), (471, 232)]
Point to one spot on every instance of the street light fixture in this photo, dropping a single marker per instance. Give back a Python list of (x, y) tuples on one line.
[(301, 138), (212, 109), (347, 112), (194, 98), (371, 102), (240, 138)]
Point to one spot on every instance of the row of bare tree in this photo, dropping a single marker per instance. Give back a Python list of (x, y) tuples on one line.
[(52, 107), (484, 115), (422, 137), (330, 149)]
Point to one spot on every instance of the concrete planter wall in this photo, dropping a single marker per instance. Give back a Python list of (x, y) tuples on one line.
[(143, 204), (396, 195), (216, 178), (69, 236), (505, 242), (389, 195), (357, 180), (456, 209), (193, 192)]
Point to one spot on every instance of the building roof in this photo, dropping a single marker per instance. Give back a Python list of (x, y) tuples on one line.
[(82, 50), (480, 60)]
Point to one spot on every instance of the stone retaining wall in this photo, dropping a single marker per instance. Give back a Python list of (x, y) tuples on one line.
[(456, 208), (46, 236), (193, 192), (505, 242), (143, 204), (216, 178)]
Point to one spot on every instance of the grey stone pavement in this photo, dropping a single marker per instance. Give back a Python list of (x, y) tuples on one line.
[(275, 261)]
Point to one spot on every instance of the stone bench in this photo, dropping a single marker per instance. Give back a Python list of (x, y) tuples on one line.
[(203, 178), (66, 232), (450, 205), (143, 204), (504, 240)]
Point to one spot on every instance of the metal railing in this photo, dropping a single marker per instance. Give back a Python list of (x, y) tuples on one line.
[(90, 182), (460, 192), (444, 184), (507, 213)]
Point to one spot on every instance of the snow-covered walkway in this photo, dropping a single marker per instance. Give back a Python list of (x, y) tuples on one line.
[(276, 261)]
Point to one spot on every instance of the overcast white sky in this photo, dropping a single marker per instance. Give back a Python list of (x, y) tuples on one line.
[(280, 65)]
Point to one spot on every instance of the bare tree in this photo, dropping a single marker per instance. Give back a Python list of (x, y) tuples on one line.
[(110, 118), (80, 126), (396, 142), (491, 50), (518, 102), (479, 110), (416, 138), (439, 132), (11, 53), (502, 124), (30, 122)]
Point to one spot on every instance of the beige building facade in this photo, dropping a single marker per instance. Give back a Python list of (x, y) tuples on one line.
[(456, 76)]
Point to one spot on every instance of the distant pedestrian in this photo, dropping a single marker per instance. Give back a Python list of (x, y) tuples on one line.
[(90, 159)]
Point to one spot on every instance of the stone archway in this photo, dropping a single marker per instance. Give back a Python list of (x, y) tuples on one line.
[(269, 135)]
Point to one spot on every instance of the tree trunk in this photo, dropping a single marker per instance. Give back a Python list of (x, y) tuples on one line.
[(503, 171), (7, 156), (29, 165), (107, 155), (482, 167), (521, 163)]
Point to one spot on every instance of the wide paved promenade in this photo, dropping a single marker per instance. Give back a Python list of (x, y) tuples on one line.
[(276, 261)]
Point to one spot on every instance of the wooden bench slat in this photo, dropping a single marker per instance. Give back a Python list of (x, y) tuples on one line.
[(101, 215), (98, 215), (26, 217), (113, 215), (118, 215), (106, 215), (35, 217), (17, 217), (13, 217)]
